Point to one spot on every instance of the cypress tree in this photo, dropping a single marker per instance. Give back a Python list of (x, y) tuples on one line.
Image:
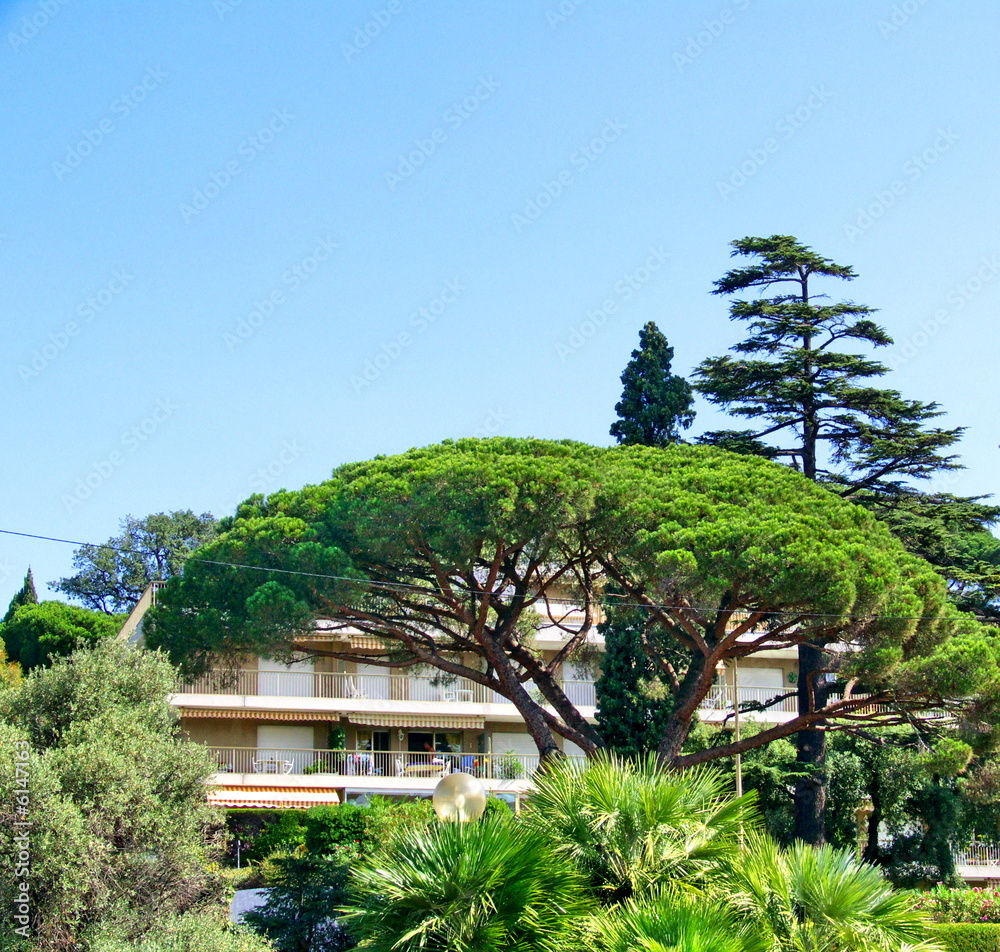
[(655, 404), (26, 595)]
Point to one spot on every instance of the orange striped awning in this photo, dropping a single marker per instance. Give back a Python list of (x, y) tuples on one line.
[(278, 797), (247, 714), (439, 722)]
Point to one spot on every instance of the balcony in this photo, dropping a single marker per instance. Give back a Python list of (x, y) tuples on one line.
[(362, 768), (361, 687)]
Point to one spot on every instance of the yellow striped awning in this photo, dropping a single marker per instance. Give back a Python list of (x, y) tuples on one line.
[(246, 714), (435, 721), (280, 797)]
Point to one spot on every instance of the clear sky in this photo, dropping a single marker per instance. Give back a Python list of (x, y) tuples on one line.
[(243, 242)]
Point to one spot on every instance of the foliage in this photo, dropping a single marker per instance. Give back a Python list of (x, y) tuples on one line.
[(471, 887), (121, 829), (807, 899), (815, 406), (38, 633), (967, 936), (672, 921), (298, 915), (714, 546), (330, 830), (631, 824), (959, 905), (111, 577), (202, 931), (655, 404), (633, 700), (25, 595), (284, 834)]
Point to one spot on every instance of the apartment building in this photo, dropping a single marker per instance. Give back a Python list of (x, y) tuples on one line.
[(320, 730)]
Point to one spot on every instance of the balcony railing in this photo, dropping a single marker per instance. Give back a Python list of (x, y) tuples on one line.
[(384, 687), (721, 697), (366, 763), (978, 854)]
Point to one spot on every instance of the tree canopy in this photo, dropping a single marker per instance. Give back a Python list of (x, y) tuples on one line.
[(38, 633), (454, 555), (111, 577)]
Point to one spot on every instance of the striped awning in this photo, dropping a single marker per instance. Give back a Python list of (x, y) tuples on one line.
[(280, 797), (435, 721), (245, 714)]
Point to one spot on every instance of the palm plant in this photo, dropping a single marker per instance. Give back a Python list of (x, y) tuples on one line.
[(469, 887), (673, 922), (632, 824), (805, 899)]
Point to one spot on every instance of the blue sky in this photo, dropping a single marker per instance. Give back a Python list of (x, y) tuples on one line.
[(245, 242)]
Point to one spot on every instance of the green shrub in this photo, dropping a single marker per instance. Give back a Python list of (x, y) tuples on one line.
[(203, 931), (285, 834), (336, 829), (967, 936), (959, 905)]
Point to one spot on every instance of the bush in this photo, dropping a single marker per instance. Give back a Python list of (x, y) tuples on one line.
[(284, 835), (959, 905), (204, 931), (337, 829), (967, 936)]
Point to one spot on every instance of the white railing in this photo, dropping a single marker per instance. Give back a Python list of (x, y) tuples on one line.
[(978, 854), (721, 698), (367, 763), (386, 687)]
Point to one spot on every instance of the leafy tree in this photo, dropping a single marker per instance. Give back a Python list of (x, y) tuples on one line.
[(25, 595), (37, 634), (655, 403), (111, 577), (455, 555), (815, 406), (121, 831), (469, 887)]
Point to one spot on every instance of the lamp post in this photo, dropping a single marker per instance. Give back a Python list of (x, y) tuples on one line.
[(861, 814), (459, 798), (738, 759)]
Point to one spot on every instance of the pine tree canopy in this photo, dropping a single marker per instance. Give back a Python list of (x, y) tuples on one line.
[(814, 403), (655, 404)]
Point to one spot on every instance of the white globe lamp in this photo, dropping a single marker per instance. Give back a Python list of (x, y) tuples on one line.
[(459, 798)]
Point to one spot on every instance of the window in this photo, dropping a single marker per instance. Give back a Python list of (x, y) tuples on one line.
[(442, 742)]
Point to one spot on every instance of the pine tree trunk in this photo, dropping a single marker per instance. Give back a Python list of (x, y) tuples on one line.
[(810, 791)]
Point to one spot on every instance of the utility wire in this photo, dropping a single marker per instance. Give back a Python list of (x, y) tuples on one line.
[(404, 587)]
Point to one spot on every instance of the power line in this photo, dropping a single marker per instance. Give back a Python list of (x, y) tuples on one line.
[(404, 587)]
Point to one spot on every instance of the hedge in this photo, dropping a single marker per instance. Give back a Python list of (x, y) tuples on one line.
[(967, 936)]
